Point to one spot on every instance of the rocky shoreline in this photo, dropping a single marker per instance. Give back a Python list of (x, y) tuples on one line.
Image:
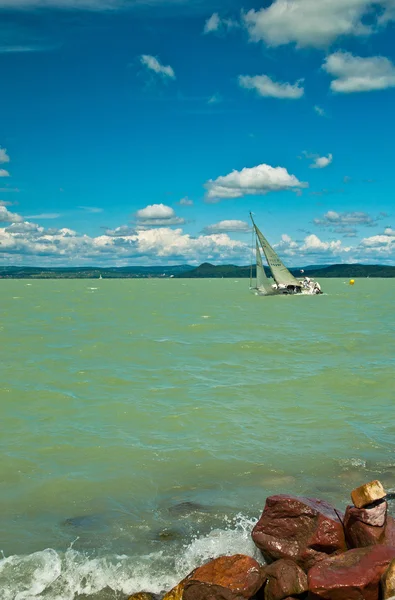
[(312, 552)]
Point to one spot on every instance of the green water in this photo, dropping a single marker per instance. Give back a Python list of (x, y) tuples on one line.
[(123, 400)]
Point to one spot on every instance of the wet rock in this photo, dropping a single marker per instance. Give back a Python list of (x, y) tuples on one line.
[(284, 578), (235, 577), (84, 521), (354, 575), (142, 596), (369, 526), (367, 494), (388, 582), (305, 530), (168, 535), (186, 508), (176, 593)]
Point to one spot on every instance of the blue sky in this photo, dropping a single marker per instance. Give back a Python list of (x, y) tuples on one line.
[(144, 132)]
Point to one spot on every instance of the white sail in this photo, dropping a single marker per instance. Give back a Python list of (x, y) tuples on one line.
[(280, 273), (262, 281)]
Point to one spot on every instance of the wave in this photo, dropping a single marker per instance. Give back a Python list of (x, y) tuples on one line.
[(53, 575)]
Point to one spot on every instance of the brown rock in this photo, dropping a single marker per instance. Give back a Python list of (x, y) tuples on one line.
[(354, 575), (367, 494), (305, 530), (176, 593), (284, 578), (235, 577), (388, 581), (142, 596), (360, 529)]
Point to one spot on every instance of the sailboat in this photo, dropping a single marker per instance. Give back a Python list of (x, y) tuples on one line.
[(284, 283)]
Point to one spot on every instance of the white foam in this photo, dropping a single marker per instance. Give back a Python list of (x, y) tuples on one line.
[(49, 575)]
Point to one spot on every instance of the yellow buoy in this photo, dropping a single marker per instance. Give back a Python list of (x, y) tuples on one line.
[(352, 281)]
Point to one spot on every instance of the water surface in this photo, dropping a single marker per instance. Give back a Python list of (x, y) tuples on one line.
[(144, 422)]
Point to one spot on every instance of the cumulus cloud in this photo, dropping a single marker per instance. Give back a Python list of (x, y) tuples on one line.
[(186, 201), (8, 217), (212, 24), (215, 23), (154, 65), (4, 173), (267, 87), (315, 23), (157, 215), (320, 162), (150, 246), (4, 158), (252, 181), (228, 226), (357, 74)]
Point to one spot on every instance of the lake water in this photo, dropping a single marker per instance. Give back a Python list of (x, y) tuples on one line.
[(144, 422)]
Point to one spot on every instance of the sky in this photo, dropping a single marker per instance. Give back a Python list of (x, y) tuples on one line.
[(143, 132)]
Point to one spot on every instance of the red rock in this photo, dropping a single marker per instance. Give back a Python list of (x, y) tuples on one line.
[(388, 582), (235, 577), (284, 578), (305, 530), (360, 528), (354, 575), (176, 593)]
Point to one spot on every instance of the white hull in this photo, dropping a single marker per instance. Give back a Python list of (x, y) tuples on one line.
[(310, 292)]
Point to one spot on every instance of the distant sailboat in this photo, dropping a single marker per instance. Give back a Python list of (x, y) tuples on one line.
[(284, 281)]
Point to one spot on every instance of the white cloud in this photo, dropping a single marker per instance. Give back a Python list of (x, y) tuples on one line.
[(154, 65), (4, 158), (4, 173), (212, 24), (335, 219), (215, 23), (8, 217), (7, 189), (228, 226), (157, 215), (265, 86), (357, 74), (252, 181), (320, 162), (316, 23), (186, 201), (320, 111)]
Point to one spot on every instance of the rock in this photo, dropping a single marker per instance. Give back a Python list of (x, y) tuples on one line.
[(362, 526), (186, 508), (142, 596), (225, 578), (367, 494), (305, 530), (388, 582), (354, 575), (284, 578), (176, 593)]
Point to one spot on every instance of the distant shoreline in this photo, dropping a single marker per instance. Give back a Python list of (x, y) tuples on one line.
[(204, 271)]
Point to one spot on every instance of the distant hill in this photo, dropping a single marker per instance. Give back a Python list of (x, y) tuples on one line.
[(205, 270), (90, 272), (209, 270)]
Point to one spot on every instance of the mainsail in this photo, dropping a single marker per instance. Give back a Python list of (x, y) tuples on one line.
[(262, 281), (280, 273)]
